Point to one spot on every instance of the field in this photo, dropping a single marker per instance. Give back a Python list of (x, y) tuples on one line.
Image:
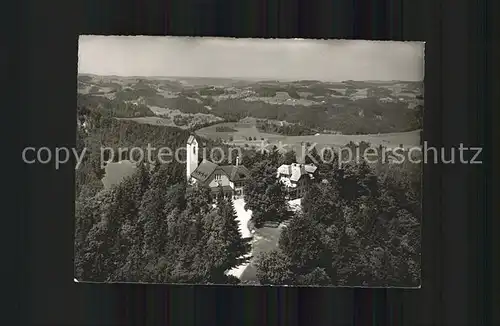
[(116, 172), (175, 118), (249, 135), (390, 140), (242, 132)]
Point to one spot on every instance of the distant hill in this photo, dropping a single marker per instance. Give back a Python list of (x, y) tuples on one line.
[(349, 107)]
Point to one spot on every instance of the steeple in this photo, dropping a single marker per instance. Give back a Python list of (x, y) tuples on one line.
[(191, 156)]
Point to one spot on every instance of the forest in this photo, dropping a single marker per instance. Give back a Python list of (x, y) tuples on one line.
[(148, 229), (359, 224), (356, 227)]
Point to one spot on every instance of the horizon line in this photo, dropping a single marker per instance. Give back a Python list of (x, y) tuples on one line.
[(255, 79)]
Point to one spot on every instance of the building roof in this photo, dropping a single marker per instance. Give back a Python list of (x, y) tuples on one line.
[(204, 170), (284, 169), (191, 140), (310, 168), (236, 173), (295, 171), (233, 172)]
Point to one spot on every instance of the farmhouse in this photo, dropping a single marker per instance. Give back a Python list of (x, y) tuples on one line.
[(296, 177), (230, 178)]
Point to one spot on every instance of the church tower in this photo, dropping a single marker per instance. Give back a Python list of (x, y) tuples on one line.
[(191, 156)]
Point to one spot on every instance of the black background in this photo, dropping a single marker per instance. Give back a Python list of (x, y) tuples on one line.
[(459, 284)]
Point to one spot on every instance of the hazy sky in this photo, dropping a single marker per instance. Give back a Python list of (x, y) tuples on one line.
[(251, 58)]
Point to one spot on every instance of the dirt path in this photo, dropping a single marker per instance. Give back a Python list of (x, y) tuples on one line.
[(264, 239)]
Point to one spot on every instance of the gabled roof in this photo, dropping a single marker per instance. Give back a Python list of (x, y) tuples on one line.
[(284, 169), (191, 140), (295, 171), (310, 168), (236, 173), (204, 170)]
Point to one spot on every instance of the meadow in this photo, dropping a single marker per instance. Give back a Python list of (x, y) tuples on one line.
[(249, 135)]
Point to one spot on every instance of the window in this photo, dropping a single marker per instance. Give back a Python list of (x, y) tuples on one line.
[(194, 150)]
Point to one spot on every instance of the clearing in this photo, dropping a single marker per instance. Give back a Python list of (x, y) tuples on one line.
[(115, 172), (248, 135)]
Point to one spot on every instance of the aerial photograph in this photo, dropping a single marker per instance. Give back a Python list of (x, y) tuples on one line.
[(249, 162)]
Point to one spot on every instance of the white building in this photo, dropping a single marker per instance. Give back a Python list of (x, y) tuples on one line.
[(296, 177), (191, 156)]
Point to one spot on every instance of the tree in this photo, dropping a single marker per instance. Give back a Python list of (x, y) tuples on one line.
[(126, 221), (214, 245), (273, 156), (301, 241), (94, 265), (274, 268), (138, 183), (87, 213), (328, 163), (132, 226), (99, 254), (354, 180), (322, 203), (151, 212), (358, 229), (275, 204), (318, 276), (175, 198), (288, 157), (199, 200), (264, 195), (189, 264), (262, 175), (226, 234), (312, 157), (107, 228)]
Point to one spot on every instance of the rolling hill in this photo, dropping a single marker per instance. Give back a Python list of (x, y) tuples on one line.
[(350, 107)]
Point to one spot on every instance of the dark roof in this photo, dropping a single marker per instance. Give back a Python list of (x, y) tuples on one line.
[(233, 172), (204, 170), (236, 173)]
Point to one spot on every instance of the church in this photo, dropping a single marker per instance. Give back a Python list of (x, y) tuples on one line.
[(231, 178)]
